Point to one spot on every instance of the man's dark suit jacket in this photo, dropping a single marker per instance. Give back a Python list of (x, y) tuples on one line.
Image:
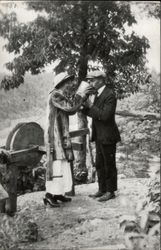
[(104, 127)]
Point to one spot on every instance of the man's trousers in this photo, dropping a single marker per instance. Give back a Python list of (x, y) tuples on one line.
[(106, 167)]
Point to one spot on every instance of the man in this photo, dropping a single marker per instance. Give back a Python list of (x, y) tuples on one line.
[(63, 101), (105, 133)]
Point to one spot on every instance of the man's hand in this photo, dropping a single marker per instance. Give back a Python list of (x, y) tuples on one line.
[(90, 90), (85, 89)]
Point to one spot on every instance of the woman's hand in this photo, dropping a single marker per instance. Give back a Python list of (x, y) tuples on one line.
[(87, 104), (66, 143)]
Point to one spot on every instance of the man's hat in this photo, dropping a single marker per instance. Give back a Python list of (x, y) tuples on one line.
[(95, 74), (62, 77)]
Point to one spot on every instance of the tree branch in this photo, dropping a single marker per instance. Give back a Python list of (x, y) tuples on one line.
[(139, 115)]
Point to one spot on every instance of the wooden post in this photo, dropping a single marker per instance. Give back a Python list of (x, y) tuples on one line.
[(76, 146), (2, 205), (11, 203), (73, 186), (72, 192), (3, 199), (18, 158)]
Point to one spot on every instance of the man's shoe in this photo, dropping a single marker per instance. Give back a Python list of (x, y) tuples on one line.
[(96, 195), (107, 196)]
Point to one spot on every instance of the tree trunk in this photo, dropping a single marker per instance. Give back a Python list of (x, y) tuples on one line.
[(82, 120), (91, 161)]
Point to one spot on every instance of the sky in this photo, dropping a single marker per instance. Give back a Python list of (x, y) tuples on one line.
[(148, 27)]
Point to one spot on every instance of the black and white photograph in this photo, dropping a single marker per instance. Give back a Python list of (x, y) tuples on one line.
[(79, 125)]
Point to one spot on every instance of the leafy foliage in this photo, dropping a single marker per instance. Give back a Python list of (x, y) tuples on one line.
[(152, 9), (142, 136), (76, 33)]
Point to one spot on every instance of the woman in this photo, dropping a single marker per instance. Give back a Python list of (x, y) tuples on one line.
[(62, 102)]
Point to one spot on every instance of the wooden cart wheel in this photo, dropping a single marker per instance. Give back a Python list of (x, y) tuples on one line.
[(26, 136), (9, 138)]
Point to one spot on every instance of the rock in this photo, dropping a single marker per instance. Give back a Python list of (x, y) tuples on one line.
[(135, 241), (127, 218), (155, 195), (144, 221), (129, 224), (155, 230), (131, 227), (141, 205), (153, 219), (155, 208), (148, 220)]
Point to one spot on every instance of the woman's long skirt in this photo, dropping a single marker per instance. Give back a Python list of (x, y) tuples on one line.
[(62, 178)]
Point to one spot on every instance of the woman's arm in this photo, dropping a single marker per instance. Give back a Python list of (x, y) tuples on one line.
[(60, 101)]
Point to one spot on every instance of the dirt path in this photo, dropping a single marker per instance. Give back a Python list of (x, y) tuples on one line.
[(84, 223)]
